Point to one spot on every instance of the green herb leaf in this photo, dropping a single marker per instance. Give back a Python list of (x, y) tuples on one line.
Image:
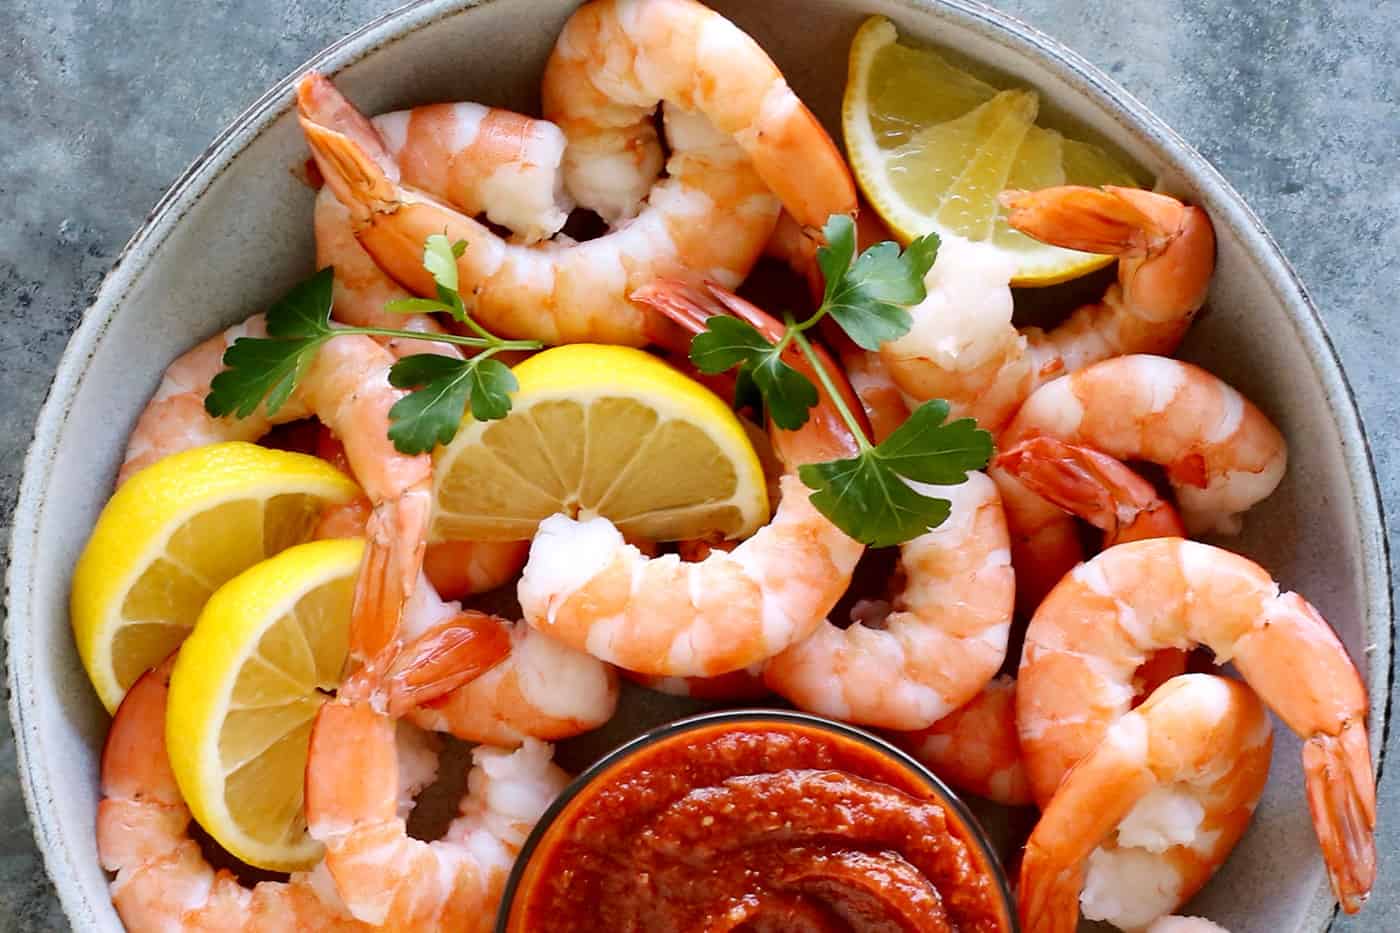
[(747, 394), (417, 306), (297, 324), (256, 368), (727, 342), (440, 259), (869, 299), (867, 500), (834, 259), (867, 496), (789, 394), (430, 416), (926, 450)]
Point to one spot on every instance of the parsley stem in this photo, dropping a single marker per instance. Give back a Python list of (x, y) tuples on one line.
[(481, 331), (488, 341), (795, 333)]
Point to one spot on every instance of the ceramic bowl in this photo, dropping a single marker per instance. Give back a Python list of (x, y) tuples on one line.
[(235, 231)]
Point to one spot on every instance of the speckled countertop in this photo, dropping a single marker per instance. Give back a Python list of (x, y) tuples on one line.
[(1294, 100)]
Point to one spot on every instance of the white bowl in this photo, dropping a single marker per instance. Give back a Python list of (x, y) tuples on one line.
[(235, 231)]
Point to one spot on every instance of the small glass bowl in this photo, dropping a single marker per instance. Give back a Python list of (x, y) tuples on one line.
[(559, 812)]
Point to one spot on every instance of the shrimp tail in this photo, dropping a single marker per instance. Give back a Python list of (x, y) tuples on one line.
[(1342, 798), (347, 150), (1048, 901), (442, 659), (395, 541), (1096, 220)]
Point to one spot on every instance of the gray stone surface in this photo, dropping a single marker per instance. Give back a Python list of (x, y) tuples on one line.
[(1294, 100)]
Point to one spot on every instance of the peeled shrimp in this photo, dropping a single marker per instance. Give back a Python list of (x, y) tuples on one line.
[(1184, 925), (1180, 777), (482, 160), (390, 879), (975, 748), (1221, 454), (541, 690), (347, 388), (615, 60), (709, 217), (963, 346), (163, 882), (1100, 623), (587, 587), (942, 643)]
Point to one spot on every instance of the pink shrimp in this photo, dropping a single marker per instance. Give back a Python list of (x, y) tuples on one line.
[(942, 643), (587, 587), (709, 217), (692, 58), (163, 882), (963, 346), (1179, 777), (1221, 453), (1101, 622), (977, 748)]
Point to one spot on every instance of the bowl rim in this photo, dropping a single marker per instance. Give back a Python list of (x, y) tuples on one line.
[(944, 795), (1019, 38)]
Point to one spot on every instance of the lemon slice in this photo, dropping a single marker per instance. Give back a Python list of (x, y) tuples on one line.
[(268, 647), (174, 533), (932, 146), (604, 430)]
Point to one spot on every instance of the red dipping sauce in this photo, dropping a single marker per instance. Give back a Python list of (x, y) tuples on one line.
[(757, 821)]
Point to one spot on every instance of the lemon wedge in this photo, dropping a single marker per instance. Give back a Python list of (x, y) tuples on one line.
[(268, 648), (174, 533), (932, 146), (605, 430)]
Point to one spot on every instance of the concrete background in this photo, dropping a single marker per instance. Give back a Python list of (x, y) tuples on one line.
[(1294, 101)]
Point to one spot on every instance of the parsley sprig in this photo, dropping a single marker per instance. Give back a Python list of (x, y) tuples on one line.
[(873, 496), (265, 371)]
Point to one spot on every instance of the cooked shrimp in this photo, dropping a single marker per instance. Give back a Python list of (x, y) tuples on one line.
[(347, 388), (975, 748), (482, 160), (1221, 454), (963, 346), (884, 404), (362, 289), (541, 690), (1184, 925), (587, 587), (163, 882), (1054, 483), (616, 60), (388, 878), (709, 218), (942, 643), (743, 684), (1179, 777), (1098, 626)]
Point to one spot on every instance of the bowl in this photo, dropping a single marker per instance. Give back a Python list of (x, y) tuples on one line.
[(234, 232), (912, 777)]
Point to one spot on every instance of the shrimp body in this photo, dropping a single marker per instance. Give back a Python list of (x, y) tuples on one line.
[(390, 879), (963, 346), (163, 883), (1222, 455), (942, 643), (1102, 621), (708, 218), (615, 60), (541, 690), (482, 160), (975, 748), (1179, 777), (661, 616)]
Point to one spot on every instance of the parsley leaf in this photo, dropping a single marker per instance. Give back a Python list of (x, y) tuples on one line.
[(868, 297), (727, 342), (431, 415), (270, 367), (867, 496)]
